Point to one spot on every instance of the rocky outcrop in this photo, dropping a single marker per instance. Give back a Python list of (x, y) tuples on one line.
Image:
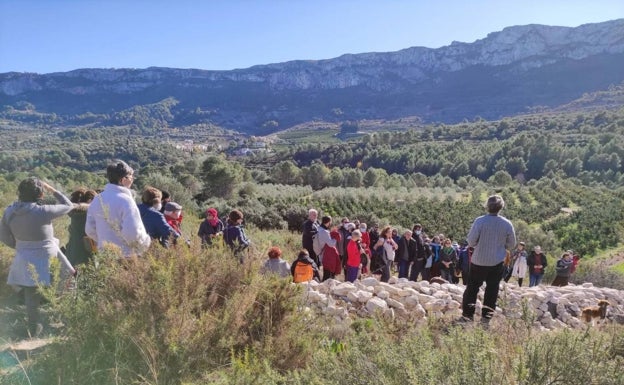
[(547, 307), (501, 74)]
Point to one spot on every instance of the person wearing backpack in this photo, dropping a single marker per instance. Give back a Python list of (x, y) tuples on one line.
[(304, 269), (308, 232), (322, 237)]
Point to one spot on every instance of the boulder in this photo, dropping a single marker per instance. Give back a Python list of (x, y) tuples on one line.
[(394, 303), (343, 289), (376, 304)]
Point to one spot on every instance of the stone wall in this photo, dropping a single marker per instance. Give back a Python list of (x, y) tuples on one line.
[(548, 307)]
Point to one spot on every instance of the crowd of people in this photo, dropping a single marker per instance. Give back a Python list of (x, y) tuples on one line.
[(350, 248)]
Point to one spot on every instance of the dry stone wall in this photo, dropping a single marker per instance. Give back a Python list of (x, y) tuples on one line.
[(548, 307)]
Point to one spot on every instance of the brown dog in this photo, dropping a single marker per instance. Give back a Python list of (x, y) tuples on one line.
[(600, 311)]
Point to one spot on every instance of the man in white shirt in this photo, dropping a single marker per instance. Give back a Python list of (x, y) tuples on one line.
[(113, 217)]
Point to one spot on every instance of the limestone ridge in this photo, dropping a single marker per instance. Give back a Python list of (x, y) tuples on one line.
[(517, 67)]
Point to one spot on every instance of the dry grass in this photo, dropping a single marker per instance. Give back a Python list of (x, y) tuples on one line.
[(196, 316)]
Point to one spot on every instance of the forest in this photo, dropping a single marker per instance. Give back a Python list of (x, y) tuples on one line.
[(194, 316), (561, 173)]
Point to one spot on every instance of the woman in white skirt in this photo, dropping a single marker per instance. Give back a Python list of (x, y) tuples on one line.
[(26, 226), (519, 261)]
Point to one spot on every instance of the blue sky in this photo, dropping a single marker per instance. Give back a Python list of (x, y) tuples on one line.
[(61, 35)]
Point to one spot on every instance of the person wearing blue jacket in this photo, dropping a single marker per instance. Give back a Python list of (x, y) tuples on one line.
[(234, 235), (153, 220)]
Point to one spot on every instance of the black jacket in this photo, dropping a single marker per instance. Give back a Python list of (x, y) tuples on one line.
[(407, 250)]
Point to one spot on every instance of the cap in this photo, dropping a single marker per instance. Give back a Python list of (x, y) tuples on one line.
[(172, 206)]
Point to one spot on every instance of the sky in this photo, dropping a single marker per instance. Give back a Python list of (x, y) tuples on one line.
[(46, 36)]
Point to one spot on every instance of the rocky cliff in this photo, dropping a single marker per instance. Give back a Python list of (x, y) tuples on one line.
[(502, 74)]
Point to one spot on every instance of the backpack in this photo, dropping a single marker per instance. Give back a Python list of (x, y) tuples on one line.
[(316, 243), (303, 272)]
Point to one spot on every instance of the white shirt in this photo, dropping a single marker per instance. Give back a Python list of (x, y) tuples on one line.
[(389, 248), (113, 217)]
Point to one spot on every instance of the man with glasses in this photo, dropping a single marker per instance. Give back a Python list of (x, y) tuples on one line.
[(113, 217)]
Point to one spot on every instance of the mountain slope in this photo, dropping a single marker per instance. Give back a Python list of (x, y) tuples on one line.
[(502, 74)]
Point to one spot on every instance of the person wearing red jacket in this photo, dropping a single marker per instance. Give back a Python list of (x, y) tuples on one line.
[(332, 265), (354, 260), (173, 216)]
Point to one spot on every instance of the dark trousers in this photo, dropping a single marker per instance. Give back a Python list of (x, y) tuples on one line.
[(491, 275), (385, 269), (32, 300), (560, 281), (313, 255), (403, 268), (466, 275), (418, 268), (351, 273), (447, 274)]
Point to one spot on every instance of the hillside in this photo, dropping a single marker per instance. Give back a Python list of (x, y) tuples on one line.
[(506, 73)]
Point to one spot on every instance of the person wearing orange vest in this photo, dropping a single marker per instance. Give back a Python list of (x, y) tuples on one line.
[(304, 269)]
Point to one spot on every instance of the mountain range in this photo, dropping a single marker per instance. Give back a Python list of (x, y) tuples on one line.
[(508, 72)]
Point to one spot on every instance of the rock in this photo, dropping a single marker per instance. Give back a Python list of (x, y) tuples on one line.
[(442, 295), (394, 303), (423, 298), (352, 295), (376, 304), (401, 313), (435, 305), (454, 289), (551, 307), (369, 281), (411, 302), (393, 290), (547, 321), (453, 305), (419, 312), (344, 288), (425, 290), (407, 292), (364, 296), (315, 296), (388, 314)]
